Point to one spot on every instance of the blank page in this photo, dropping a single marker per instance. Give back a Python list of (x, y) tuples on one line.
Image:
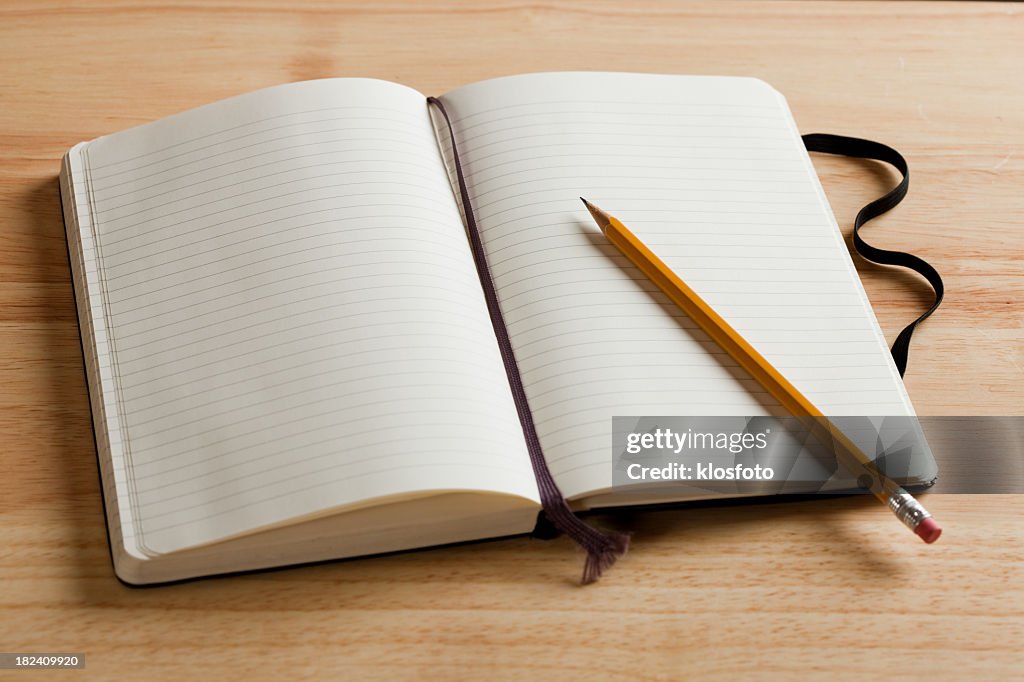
[(712, 175), (293, 319)]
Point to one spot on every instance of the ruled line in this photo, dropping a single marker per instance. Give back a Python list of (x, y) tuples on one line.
[(156, 150)]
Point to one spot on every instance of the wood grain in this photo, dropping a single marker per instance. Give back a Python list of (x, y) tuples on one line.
[(774, 590)]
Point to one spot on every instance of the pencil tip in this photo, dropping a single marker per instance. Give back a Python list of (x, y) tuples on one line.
[(600, 217)]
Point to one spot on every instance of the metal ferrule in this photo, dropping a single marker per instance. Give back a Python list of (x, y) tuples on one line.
[(908, 510)]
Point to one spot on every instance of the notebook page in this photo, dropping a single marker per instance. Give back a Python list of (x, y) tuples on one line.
[(293, 317), (711, 174)]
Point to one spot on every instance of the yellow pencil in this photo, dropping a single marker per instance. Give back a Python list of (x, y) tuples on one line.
[(908, 510)]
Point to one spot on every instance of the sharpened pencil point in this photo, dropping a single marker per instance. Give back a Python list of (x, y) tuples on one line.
[(600, 217)]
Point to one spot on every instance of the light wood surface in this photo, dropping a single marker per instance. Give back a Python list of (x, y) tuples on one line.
[(791, 590)]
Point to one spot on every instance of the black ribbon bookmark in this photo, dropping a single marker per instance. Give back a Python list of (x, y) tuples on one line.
[(603, 548), (866, 149)]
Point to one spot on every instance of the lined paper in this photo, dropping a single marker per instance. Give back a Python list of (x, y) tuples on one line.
[(294, 319), (711, 174)]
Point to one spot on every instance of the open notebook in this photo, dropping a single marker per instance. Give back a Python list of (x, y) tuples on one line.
[(288, 350)]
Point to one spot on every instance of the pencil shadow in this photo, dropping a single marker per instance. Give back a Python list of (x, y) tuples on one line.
[(615, 259)]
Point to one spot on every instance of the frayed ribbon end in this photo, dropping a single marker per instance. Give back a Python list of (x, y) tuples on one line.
[(600, 560)]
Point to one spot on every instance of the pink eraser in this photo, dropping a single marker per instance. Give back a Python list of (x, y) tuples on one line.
[(928, 530)]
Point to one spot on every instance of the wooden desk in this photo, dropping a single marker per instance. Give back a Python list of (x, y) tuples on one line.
[(799, 589)]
